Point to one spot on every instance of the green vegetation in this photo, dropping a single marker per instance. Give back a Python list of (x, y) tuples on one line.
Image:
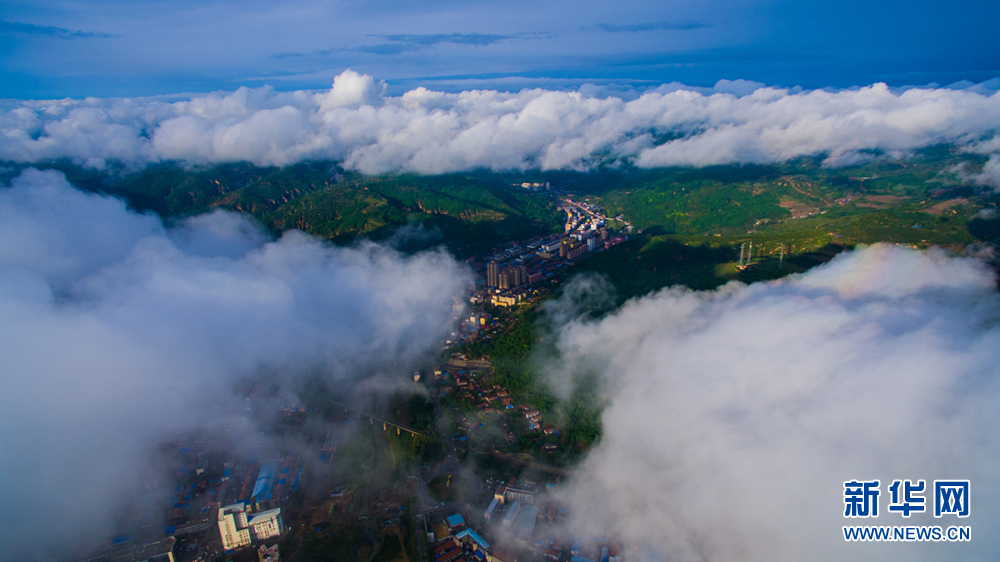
[(421, 413), (443, 492), (468, 214), (879, 201), (329, 548), (409, 526), (689, 225), (391, 549), (512, 354)]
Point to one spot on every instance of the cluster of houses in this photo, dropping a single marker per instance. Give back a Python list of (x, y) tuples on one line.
[(454, 541), (532, 522), (492, 399), (467, 387)]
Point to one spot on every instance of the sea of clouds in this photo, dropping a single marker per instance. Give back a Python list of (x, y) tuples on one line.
[(434, 132), (117, 332), (735, 416)]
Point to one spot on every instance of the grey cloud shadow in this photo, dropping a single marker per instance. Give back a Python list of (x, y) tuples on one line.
[(51, 31), (479, 39), (652, 26), (401, 42), (388, 48)]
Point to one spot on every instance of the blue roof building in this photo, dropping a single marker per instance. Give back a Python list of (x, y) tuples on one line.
[(512, 512), (454, 520), (265, 481), (524, 526), (469, 535), (489, 510)]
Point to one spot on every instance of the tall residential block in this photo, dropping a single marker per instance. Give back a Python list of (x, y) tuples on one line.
[(240, 528), (493, 274), (233, 526)]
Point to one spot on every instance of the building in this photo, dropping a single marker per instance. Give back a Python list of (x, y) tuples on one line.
[(239, 527), (454, 521), (233, 526), (491, 509), (524, 527), (576, 252), (493, 274), (516, 491), (614, 241), (472, 538), (479, 318), (507, 299), (512, 277), (441, 531), (266, 524), (265, 481), (445, 547), (269, 554), (511, 516), (552, 246)]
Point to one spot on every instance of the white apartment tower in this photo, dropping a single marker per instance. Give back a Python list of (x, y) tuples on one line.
[(266, 524), (233, 526), (240, 528)]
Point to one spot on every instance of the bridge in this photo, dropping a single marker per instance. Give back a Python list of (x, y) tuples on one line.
[(385, 423), (521, 460)]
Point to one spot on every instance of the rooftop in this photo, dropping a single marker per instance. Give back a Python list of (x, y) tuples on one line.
[(263, 516), (441, 531), (238, 507), (475, 538), (524, 526), (512, 512), (262, 489)]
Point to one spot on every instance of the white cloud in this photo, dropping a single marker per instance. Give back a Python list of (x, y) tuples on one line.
[(990, 175), (734, 417), (433, 132), (116, 331)]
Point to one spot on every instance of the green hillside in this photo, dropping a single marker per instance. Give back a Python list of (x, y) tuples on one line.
[(799, 206), (469, 214)]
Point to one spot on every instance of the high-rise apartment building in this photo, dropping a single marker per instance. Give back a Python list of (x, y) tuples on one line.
[(240, 528), (233, 526), (511, 277), (493, 274)]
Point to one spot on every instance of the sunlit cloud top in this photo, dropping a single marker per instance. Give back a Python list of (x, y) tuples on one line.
[(430, 132)]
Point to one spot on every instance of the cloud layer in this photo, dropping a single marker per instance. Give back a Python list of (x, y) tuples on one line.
[(734, 417), (116, 331), (434, 132), (50, 31)]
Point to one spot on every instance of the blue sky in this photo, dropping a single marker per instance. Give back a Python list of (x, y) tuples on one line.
[(52, 49)]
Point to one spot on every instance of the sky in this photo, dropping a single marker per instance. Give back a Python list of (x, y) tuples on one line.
[(115, 48)]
